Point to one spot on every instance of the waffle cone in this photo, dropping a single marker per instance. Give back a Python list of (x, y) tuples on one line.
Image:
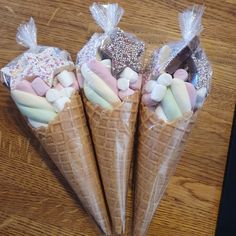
[(113, 138), (67, 142), (159, 150)]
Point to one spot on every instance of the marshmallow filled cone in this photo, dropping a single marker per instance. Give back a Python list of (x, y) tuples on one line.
[(66, 140), (159, 150), (113, 138)]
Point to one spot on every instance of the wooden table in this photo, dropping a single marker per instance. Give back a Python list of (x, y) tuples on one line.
[(35, 199)]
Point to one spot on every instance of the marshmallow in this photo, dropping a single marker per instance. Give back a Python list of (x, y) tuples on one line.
[(80, 80), (181, 74), (36, 124), (192, 92), (160, 113), (60, 103), (66, 78), (129, 74), (148, 87), (126, 93), (107, 63), (52, 95), (59, 87), (69, 91), (165, 79), (146, 100), (136, 85), (123, 84), (180, 93), (158, 93), (170, 107), (101, 71), (201, 95), (39, 86), (25, 86), (164, 54)]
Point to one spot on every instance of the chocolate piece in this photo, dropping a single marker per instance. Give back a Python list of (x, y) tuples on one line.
[(182, 56)]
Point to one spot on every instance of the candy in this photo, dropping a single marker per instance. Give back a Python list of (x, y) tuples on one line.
[(59, 87), (129, 74), (98, 85), (39, 86), (170, 107), (52, 95), (30, 100), (101, 70), (201, 95), (39, 115), (126, 93), (36, 124), (25, 86), (149, 86), (158, 93), (164, 79), (69, 91), (181, 74), (146, 99), (180, 93), (80, 80), (123, 84), (124, 51), (160, 113), (137, 84), (94, 98), (107, 63), (164, 55), (66, 78), (192, 94), (60, 103)]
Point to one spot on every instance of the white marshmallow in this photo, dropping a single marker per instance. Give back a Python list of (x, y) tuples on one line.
[(60, 103), (160, 113), (107, 63), (158, 93), (123, 84), (52, 95), (129, 74), (66, 78), (164, 54), (36, 124), (69, 91), (165, 79), (148, 87), (201, 95)]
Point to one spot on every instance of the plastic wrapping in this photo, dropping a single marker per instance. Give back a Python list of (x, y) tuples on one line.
[(112, 123), (160, 142), (65, 137)]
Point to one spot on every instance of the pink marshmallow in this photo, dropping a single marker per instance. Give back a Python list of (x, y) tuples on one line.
[(39, 86), (75, 84), (146, 100), (126, 93), (192, 92), (137, 84), (181, 74), (80, 80), (25, 86), (103, 72), (59, 87)]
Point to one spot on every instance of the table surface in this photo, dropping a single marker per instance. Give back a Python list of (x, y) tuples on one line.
[(35, 199)]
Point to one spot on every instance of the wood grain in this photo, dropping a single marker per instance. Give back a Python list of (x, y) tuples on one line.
[(35, 199)]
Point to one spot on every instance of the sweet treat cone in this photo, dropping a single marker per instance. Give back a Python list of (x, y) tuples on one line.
[(159, 149), (67, 142), (113, 137)]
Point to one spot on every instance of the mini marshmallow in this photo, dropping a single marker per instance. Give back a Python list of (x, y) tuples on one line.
[(126, 93), (158, 93), (52, 95), (129, 74), (39, 86), (66, 78), (107, 63), (192, 92), (181, 74), (123, 84), (165, 79), (69, 91), (36, 124), (201, 95), (137, 84), (60, 103), (25, 86), (146, 100), (164, 54), (59, 87), (148, 87), (80, 80)]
